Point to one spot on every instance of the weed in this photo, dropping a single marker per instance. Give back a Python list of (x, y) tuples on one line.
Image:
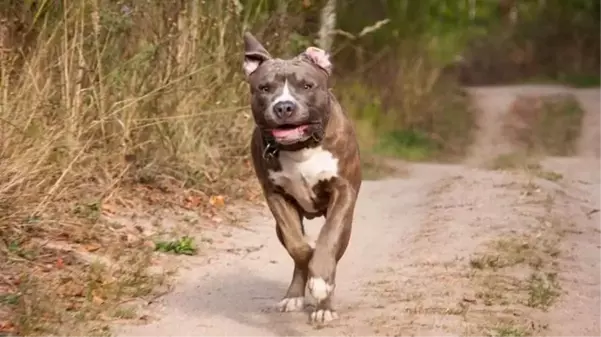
[(182, 246), (518, 272), (10, 299), (508, 252), (549, 175), (537, 170), (548, 125), (509, 331), (527, 162), (543, 289), (374, 167), (516, 160), (125, 313), (90, 210)]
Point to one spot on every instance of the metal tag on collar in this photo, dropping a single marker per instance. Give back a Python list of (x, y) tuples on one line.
[(315, 137), (269, 151)]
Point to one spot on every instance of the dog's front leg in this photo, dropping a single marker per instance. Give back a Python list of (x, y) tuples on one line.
[(289, 232), (330, 246)]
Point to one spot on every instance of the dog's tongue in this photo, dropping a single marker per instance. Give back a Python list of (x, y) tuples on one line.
[(289, 133)]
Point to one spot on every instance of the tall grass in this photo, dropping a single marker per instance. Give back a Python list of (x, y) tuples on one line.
[(107, 92), (100, 96)]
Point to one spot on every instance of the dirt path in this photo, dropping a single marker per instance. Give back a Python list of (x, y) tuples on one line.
[(409, 269)]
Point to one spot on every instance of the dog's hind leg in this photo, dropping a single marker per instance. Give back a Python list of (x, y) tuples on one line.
[(331, 244), (290, 233)]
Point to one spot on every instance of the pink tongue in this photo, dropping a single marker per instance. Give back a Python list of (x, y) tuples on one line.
[(288, 133)]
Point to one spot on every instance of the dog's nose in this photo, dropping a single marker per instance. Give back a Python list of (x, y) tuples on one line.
[(284, 109)]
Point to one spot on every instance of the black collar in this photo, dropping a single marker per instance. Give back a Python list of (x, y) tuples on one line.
[(271, 148)]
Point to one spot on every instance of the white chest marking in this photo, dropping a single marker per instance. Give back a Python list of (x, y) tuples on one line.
[(301, 170)]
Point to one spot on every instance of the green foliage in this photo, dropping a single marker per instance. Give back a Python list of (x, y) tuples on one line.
[(181, 246), (407, 144)]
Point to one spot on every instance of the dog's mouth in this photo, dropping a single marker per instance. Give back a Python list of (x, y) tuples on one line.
[(288, 133)]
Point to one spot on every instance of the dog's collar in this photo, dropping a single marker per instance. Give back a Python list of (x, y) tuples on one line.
[(272, 149)]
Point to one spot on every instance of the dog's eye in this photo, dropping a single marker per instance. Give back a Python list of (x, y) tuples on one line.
[(308, 86), (264, 88)]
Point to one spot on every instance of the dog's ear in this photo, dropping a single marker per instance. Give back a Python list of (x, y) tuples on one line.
[(319, 57), (254, 54)]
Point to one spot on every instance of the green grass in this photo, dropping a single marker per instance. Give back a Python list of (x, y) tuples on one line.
[(406, 144), (581, 81), (9, 298), (181, 246), (571, 80)]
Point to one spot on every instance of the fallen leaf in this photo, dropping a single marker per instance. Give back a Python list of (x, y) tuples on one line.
[(149, 244), (92, 247), (97, 300), (193, 201), (7, 326), (217, 201), (108, 208)]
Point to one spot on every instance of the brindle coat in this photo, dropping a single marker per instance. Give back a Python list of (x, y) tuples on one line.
[(330, 129)]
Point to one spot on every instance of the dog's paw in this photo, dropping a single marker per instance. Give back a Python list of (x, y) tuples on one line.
[(319, 288), (291, 304), (322, 316)]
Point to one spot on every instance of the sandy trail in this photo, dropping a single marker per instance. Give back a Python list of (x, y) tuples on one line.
[(233, 295), (405, 270)]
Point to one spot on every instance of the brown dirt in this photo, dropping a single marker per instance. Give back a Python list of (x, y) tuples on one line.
[(447, 250)]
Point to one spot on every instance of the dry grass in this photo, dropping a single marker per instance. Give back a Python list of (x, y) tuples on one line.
[(101, 99), (374, 167), (516, 275), (544, 125), (525, 162)]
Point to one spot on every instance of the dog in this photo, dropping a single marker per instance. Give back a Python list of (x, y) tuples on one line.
[(306, 158)]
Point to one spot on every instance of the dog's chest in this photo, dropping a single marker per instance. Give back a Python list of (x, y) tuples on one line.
[(301, 171)]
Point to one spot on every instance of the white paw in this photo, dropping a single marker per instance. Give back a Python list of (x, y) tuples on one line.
[(291, 304), (323, 316), (320, 290)]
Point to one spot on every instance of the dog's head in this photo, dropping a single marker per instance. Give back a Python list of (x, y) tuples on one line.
[(289, 98)]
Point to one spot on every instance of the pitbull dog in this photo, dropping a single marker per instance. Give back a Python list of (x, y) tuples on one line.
[(306, 158)]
